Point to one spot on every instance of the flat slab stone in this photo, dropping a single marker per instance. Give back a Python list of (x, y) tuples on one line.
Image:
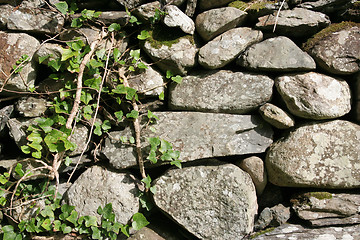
[(228, 192), (237, 92), (196, 135), (318, 155)]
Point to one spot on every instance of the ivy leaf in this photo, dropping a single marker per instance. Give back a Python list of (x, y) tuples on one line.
[(46, 224), (117, 54), (62, 7), (97, 130), (147, 181), (55, 64), (96, 233), (133, 19), (57, 225), (133, 114), (165, 146), (73, 217), (107, 212), (177, 79), (86, 97), (151, 115), (139, 221), (90, 221), (114, 27), (47, 212), (125, 230), (26, 149), (96, 64), (18, 170), (67, 53), (65, 228), (135, 54), (106, 125), (119, 115), (177, 163), (162, 96), (169, 74), (143, 35), (42, 59), (76, 23)]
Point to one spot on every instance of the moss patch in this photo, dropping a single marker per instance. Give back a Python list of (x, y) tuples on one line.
[(262, 232), (165, 36), (327, 32), (321, 195), (256, 5)]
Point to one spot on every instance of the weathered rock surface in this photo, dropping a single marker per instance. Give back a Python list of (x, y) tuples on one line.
[(314, 95), (6, 10), (54, 51), (319, 155), (211, 23), (324, 6), (254, 166), (229, 193), (273, 217), (267, 56), (5, 114), (79, 137), (31, 107), (357, 98), (226, 47), (109, 17), (209, 4), (196, 135), (339, 53), (13, 46), (87, 35), (276, 116), (178, 57), (327, 209), (298, 22), (176, 18), (147, 11), (98, 186), (292, 231), (130, 4), (236, 92), (36, 20)]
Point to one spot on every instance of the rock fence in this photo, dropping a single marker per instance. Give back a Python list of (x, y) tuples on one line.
[(266, 117)]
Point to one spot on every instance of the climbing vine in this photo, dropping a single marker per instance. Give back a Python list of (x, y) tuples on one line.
[(83, 69)]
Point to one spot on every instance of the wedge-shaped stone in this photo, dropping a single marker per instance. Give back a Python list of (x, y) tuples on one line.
[(221, 91), (199, 198), (276, 54), (176, 18), (314, 95), (226, 47), (318, 155), (196, 135)]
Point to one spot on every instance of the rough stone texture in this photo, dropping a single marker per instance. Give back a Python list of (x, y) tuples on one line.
[(109, 17), (178, 58), (226, 47), (318, 155), (12, 47), (209, 4), (31, 107), (147, 11), (221, 91), (130, 4), (176, 18), (326, 209), (268, 56), (298, 22), (254, 166), (17, 128), (174, 2), (272, 217), (87, 35), (146, 234), (36, 20), (5, 114), (276, 116), (79, 137), (6, 10), (357, 97), (196, 135), (54, 50), (292, 231), (97, 187), (229, 193), (339, 53), (324, 6), (314, 95), (211, 23)]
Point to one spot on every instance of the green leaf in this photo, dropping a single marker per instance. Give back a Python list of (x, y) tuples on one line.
[(133, 114), (45, 124), (3, 180), (164, 146), (151, 115), (93, 82), (169, 74), (142, 65), (48, 212), (73, 217), (143, 35), (18, 170), (3, 201), (96, 64), (119, 115), (66, 209), (97, 130), (135, 54), (67, 53), (42, 59), (177, 79), (162, 96), (177, 163), (120, 89), (62, 7), (117, 54), (86, 97), (132, 69), (114, 27), (65, 228), (125, 230), (90, 221), (133, 19), (153, 189), (131, 94), (26, 149), (107, 212), (57, 225), (46, 224), (147, 181), (139, 221), (55, 64), (132, 139), (68, 161), (76, 23), (96, 233), (106, 125), (100, 54)]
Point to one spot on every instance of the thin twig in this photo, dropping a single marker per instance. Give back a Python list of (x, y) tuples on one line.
[(277, 15)]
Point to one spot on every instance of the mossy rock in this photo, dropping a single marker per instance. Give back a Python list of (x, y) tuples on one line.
[(321, 195), (250, 6), (267, 230), (310, 43)]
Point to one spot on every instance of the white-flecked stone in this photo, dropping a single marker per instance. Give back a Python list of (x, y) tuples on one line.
[(276, 116), (176, 18)]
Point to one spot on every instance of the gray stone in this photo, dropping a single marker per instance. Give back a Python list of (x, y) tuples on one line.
[(196, 135), (318, 155), (31, 107), (32, 4), (174, 2), (146, 11), (98, 187), (5, 114), (176, 18), (254, 166), (268, 56), (339, 53), (109, 17), (6, 10), (292, 231), (324, 6), (273, 217), (36, 20), (178, 58), (297, 22), (210, 24), (17, 130), (225, 48), (314, 95), (13, 46), (54, 51), (79, 137), (357, 97), (130, 4), (209, 4), (237, 92), (229, 193), (276, 116), (146, 234), (87, 35)]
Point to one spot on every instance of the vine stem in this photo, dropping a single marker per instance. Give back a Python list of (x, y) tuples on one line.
[(137, 127)]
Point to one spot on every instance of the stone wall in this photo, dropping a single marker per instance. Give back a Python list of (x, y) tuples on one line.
[(266, 117)]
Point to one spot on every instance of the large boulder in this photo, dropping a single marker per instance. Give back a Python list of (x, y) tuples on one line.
[(12, 47), (338, 52), (98, 187), (268, 56), (211, 23), (298, 22), (318, 155), (200, 198), (196, 135), (237, 92), (314, 95), (226, 47)]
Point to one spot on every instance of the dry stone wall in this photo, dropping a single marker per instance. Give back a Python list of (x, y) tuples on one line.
[(268, 110)]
